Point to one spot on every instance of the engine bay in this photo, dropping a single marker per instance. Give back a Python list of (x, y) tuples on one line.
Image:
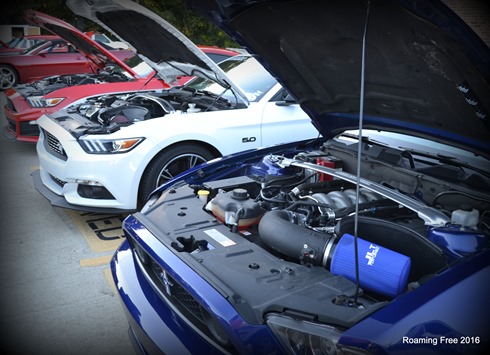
[(108, 113), (52, 83), (288, 226)]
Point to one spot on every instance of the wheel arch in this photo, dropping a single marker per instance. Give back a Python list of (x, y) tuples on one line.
[(200, 143), (211, 148), (15, 70)]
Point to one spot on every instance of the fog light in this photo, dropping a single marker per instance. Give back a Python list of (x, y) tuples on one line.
[(88, 182), (94, 192)]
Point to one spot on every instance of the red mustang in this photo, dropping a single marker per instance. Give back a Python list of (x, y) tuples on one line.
[(27, 102), (54, 56)]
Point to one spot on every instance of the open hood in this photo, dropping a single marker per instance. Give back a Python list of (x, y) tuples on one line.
[(161, 45), (426, 73), (89, 48)]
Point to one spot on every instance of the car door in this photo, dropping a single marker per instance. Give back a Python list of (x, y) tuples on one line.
[(284, 121)]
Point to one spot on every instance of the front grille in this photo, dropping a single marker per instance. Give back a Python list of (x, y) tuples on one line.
[(11, 105), (27, 129), (59, 182), (185, 299), (54, 146), (181, 300)]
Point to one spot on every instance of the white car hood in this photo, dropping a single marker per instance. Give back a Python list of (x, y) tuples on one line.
[(161, 45)]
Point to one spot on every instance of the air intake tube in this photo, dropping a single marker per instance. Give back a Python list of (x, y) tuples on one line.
[(381, 270), (278, 230)]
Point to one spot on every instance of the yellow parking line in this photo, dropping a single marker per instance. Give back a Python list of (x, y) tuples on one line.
[(98, 261), (102, 232), (110, 280)]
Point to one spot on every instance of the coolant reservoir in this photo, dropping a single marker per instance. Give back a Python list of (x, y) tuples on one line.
[(236, 207), (465, 218)]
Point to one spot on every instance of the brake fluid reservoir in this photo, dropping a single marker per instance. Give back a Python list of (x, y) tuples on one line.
[(380, 269), (236, 207)]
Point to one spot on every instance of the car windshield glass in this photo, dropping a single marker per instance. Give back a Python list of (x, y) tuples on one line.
[(101, 38), (138, 65), (243, 71), (34, 46), (19, 43)]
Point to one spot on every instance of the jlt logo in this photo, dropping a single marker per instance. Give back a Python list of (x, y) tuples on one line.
[(371, 254)]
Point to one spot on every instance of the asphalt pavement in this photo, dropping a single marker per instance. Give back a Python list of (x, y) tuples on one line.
[(56, 293)]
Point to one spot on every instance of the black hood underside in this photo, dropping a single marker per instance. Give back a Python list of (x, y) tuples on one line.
[(425, 72)]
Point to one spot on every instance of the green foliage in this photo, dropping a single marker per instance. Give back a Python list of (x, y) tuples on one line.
[(193, 26), (11, 15)]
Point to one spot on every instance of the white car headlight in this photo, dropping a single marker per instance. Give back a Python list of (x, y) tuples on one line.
[(308, 338), (109, 146), (39, 101)]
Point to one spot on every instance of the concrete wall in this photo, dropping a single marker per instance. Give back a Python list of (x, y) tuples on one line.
[(7, 32)]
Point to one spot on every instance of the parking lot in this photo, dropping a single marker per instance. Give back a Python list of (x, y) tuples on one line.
[(57, 294)]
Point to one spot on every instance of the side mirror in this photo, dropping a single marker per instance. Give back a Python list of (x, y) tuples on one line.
[(288, 101)]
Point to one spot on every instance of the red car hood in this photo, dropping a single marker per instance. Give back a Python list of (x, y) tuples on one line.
[(88, 47)]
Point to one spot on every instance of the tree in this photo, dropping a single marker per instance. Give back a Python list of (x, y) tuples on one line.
[(193, 26), (190, 24)]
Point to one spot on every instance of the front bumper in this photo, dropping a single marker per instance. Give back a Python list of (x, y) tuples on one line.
[(21, 118), (59, 201), (87, 181), (154, 327)]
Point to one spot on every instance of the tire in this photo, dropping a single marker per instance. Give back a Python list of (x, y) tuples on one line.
[(8, 77), (168, 163)]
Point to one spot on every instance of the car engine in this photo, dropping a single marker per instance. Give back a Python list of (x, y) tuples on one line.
[(288, 226), (52, 83), (108, 113)]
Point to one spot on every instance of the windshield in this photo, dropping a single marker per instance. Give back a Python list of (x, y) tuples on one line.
[(245, 72), (139, 66), (101, 38), (19, 43), (34, 46)]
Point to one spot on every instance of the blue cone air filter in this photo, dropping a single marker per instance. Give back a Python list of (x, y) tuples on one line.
[(380, 270)]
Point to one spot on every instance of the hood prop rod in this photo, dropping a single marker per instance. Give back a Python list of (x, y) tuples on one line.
[(359, 150)]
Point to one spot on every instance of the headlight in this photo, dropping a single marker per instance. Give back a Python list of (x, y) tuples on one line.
[(109, 146), (39, 101), (308, 338)]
